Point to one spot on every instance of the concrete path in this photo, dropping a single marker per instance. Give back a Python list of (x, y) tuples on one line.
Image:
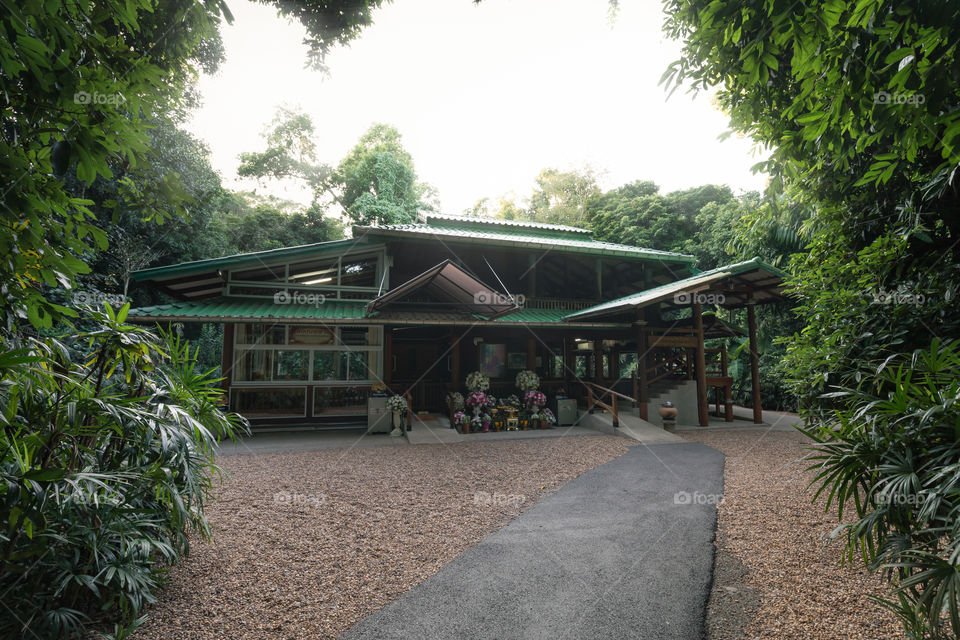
[(631, 426), (623, 551), (436, 430)]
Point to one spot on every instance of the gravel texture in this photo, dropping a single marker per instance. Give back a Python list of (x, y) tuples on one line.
[(308, 543), (776, 574)]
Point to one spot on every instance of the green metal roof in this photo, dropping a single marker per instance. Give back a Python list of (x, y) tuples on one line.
[(339, 312), (522, 227), (239, 259), (232, 309), (699, 280), (505, 236)]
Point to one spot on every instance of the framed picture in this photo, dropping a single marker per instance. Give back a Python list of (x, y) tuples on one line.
[(493, 359), (517, 360)]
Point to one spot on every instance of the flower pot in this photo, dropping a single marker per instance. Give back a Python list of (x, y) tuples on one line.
[(667, 411), (397, 424)]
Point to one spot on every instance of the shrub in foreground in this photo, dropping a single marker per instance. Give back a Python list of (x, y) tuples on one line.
[(106, 459)]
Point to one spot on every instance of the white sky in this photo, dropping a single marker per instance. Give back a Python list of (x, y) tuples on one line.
[(485, 96)]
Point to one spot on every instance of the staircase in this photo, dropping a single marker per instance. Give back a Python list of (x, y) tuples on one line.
[(682, 393)]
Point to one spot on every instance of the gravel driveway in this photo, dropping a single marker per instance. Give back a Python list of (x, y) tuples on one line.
[(306, 544), (776, 577), (624, 551)]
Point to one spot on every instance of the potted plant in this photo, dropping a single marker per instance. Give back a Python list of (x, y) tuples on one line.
[(548, 419), (534, 400), (477, 381), (527, 381), (460, 422), (397, 405), (455, 402)]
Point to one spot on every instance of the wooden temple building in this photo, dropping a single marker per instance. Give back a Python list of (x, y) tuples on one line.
[(309, 329)]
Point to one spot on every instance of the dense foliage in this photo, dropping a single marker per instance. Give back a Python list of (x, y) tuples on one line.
[(107, 434), (859, 105), (106, 445)]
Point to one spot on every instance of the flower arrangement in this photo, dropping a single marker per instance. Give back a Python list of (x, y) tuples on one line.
[(455, 401), (528, 380), (512, 401), (477, 381), (397, 403), (460, 419), (477, 399), (476, 423), (378, 389), (535, 398), (549, 417), (491, 402)]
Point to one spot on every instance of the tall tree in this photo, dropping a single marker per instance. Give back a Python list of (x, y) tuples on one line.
[(377, 182), (860, 104)]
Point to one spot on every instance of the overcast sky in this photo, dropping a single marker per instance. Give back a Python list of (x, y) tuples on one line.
[(485, 96)]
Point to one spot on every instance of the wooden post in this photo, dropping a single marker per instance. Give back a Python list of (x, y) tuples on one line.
[(642, 371), (387, 355), (226, 361), (532, 353), (700, 367), (589, 399), (455, 363), (598, 362), (728, 403), (613, 407), (754, 363)]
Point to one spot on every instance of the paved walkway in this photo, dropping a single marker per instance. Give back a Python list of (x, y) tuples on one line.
[(623, 551)]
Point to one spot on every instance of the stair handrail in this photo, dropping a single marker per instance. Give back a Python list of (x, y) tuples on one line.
[(593, 400)]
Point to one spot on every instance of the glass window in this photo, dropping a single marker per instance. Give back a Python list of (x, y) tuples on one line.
[(254, 403), (339, 400), (327, 365), (254, 365), (315, 272), (290, 365), (261, 274), (261, 334), (359, 273), (358, 336), (360, 365)]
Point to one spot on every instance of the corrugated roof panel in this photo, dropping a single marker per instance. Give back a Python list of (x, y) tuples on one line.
[(593, 247)]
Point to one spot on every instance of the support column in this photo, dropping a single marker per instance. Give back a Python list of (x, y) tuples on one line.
[(700, 367), (754, 363), (226, 361), (387, 355), (455, 362), (642, 370), (598, 362)]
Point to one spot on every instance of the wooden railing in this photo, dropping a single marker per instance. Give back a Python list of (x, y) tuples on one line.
[(666, 363), (595, 395), (409, 397)]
